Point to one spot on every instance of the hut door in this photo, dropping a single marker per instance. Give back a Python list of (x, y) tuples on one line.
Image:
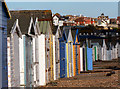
[(62, 59), (89, 59)]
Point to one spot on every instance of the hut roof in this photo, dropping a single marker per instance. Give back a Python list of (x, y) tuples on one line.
[(24, 17)]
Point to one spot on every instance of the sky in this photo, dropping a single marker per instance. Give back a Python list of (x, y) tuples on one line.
[(90, 9)]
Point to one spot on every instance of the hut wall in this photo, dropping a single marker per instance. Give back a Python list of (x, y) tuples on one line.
[(13, 54), (54, 59), (9, 62), (51, 57), (0, 57), (29, 61), (62, 59), (37, 57), (74, 60), (57, 57), (81, 59), (67, 62), (42, 69), (70, 59), (22, 59), (89, 59)]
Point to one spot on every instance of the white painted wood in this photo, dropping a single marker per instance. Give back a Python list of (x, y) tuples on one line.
[(21, 58), (37, 56), (34, 60), (104, 50), (9, 61), (81, 59), (54, 60), (42, 80)]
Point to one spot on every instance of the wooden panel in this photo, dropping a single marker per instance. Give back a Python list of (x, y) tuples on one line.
[(78, 58), (67, 65), (81, 59), (54, 60), (62, 59), (42, 80), (0, 59), (51, 56), (47, 58), (9, 62), (89, 59), (57, 56), (22, 61), (74, 61), (29, 62)]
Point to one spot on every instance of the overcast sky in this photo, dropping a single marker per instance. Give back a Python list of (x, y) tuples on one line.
[(91, 9)]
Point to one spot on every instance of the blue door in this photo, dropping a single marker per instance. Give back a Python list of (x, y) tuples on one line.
[(62, 59), (76, 60), (89, 59)]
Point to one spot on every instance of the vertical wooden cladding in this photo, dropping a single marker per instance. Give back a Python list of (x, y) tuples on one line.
[(95, 53), (57, 52), (78, 57), (51, 56), (29, 61), (70, 59), (74, 60), (45, 43), (22, 61), (9, 62), (67, 62), (57, 57), (89, 59), (81, 59), (62, 59), (42, 61), (13, 61), (54, 59), (0, 58)]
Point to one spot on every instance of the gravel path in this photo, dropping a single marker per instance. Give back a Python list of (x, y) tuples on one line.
[(93, 79)]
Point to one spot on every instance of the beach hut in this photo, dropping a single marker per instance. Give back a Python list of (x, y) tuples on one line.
[(95, 53), (63, 62), (104, 50), (4, 16), (116, 50), (44, 52), (76, 55), (56, 55), (89, 59), (57, 50), (14, 56), (21, 54), (69, 52)]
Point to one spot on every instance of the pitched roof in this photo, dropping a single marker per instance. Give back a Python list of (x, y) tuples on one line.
[(44, 27), (24, 17), (6, 8)]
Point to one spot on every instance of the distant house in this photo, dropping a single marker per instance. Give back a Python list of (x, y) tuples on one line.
[(58, 20), (4, 16), (113, 21), (103, 20), (118, 21), (80, 21)]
